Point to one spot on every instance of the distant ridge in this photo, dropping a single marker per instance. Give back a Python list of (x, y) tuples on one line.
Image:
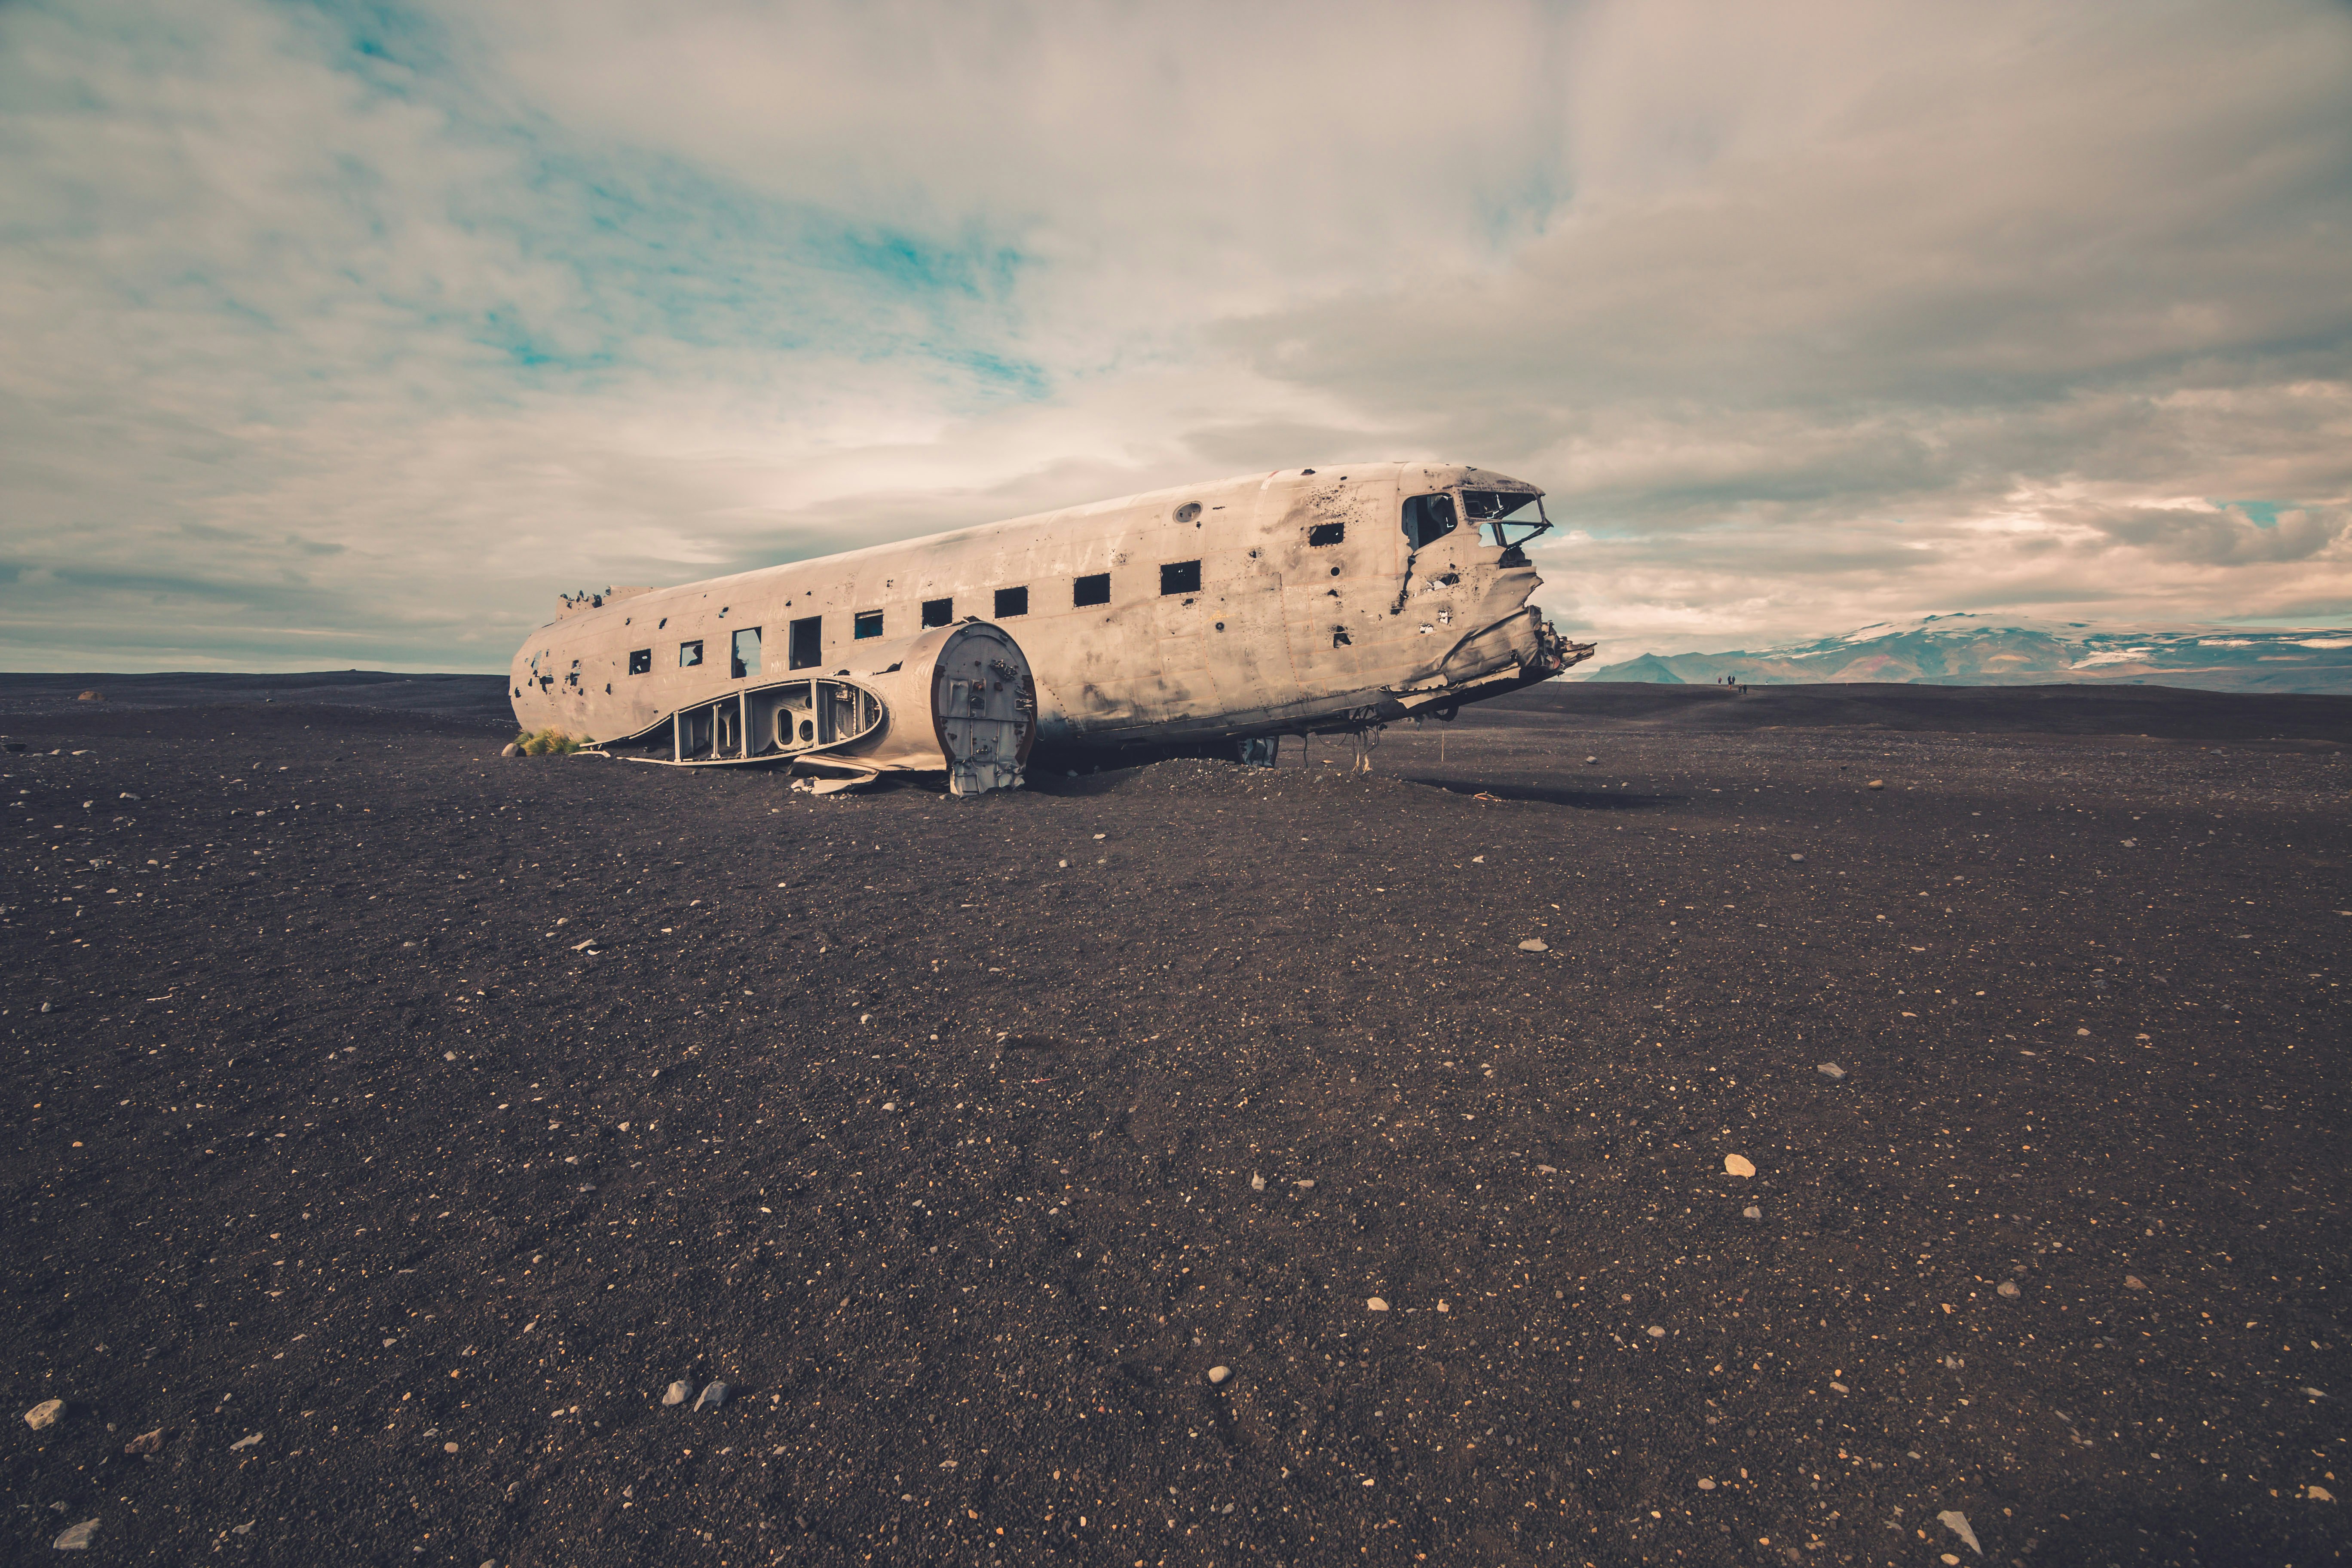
[(1964, 649)]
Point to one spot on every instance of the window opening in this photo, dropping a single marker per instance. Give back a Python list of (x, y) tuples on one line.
[(690, 654), (806, 644), (1328, 533), (1012, 602), (1513, 517), (868, 624), (744, 663), (1428, 518), (938, 612), (1094, 590), (641, 661), (1179, 577)]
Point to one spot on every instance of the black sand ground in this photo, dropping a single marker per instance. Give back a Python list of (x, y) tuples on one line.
[(420, 1116)]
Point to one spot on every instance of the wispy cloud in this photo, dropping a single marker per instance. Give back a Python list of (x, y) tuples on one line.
[(350, 333)]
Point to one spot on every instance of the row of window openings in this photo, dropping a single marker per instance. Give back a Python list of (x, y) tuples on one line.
[(805, 637)]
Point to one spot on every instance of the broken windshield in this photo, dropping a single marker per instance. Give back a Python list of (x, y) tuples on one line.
[(1513, 516)]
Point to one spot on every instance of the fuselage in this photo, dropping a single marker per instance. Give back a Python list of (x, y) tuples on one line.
[(1299, 600)]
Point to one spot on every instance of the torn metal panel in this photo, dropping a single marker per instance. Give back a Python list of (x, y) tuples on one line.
[(957, 700)]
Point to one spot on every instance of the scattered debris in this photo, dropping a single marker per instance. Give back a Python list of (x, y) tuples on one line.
[(146, 1443), (1218, 1374), (1956, 1522), (1954, 1364), (713, 1396), (45, 1414), (76, 1538), (1534, 945), (678, 1394), (1374, 1304), (1830, 1070), (1738, 1165)]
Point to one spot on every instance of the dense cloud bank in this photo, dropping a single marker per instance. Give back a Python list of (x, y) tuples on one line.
[(351, 337)]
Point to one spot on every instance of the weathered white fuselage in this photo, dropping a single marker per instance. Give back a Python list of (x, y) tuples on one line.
[(1313, 611)]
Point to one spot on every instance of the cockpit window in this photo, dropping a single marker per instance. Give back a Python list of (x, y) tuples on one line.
[(1512, 517), (1428, 518)]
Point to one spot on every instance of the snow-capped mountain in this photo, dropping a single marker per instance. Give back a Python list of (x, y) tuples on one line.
[(1964, 649)]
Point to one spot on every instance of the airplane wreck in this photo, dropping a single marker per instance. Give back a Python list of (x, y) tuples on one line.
[(1215, 617)]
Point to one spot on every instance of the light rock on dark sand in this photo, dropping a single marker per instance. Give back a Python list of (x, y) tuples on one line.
[(259, 1136)]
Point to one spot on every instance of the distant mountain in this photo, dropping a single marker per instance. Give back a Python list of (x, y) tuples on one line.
[(1991, 650)]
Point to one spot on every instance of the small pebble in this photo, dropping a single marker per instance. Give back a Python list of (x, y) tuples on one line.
[(1953, 1364), (1547, 1171), (1374, 1304), (1218, 1374), (76, 1538), (1738, 1166), (1796, 857), (1878, 784), (1534, 945), (1590, 761), (45, 1414), (1704, 1485), (2320, 1494), (249, 1440), (448, 1448), (1751, 1212), (1656, 1332), (678, 1394), (1830, 1070), (2134, 1282), (713, 1396), (1304, 1181), (2006, 1288), (146, 1443), (1257, 1182)]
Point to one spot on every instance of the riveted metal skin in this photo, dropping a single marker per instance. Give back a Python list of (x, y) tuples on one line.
[(1293, 602)]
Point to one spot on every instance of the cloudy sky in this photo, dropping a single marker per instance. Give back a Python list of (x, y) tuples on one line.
[(348, 334)]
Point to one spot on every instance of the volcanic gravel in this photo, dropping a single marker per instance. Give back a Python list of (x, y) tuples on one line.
[(394, 1124)]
